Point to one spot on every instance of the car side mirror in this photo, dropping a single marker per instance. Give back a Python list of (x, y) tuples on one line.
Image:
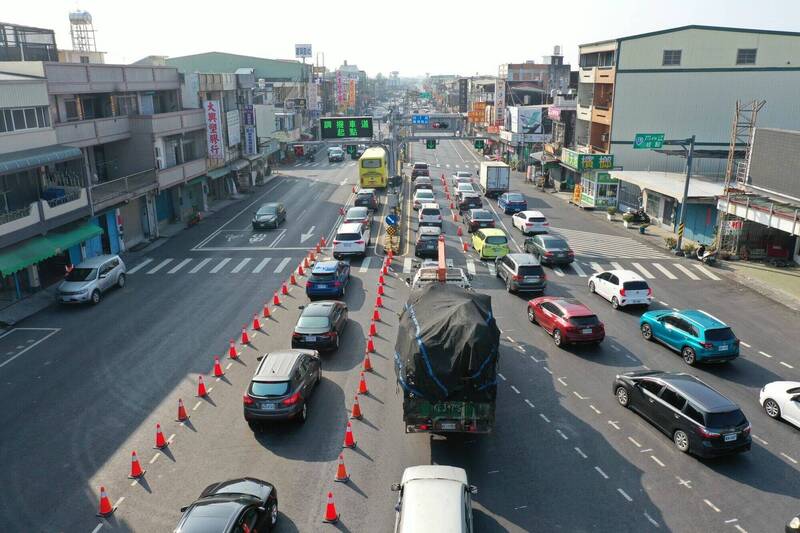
[(395, 487), (183, 509), (473, 489), (408, 281), (259, 358)]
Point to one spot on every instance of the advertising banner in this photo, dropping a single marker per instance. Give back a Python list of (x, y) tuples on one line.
[(302, 50), (500, 97), (216, 149), (234, 125), (250, 144), (581, 162), (249, 115), (339, 88), (351, 95)]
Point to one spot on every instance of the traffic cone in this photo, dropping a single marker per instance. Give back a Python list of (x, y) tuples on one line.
[(391, 254), (136, 468), (318, 249), (182, 415), (385, 269), (161, 442), (218, 373), (362, 385), (322, 241), (300, 271), (201, 388), (266, 312), (459, 232), (447, 194), (341, 471), (356, 412), (232, 348), (292, 279), (107, 510), (378, 302), (380, 290), (354, 189), (452, 206), (331, 516), (376, 315), (349, 441), (256, 323), (367, 365), (284, 289), (381, 280), (305, 262), (465, 246), (311, 256), (455, 216), (245, 336), (370, 345), (275, 299)]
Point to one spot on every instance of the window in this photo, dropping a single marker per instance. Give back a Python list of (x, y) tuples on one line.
[(651, 386), (719, 334), (371, 163), (693, 413), (30, 118), (746, 56), (671, 58), (269, 388), (673, 398), (71, 110), (84, 59), (44, 116), (612, 279), (19, 119)]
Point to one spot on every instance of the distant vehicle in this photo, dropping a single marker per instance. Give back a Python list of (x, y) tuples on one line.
[(461, 177), (423, 196), (781, 399), (320, 325), (366, 198), (696, 335), (495, 177), (476, 219), (281, 387), (423, 182), (521, 272), (490, 243), (335, 154), (697, 418), (512, 202), (328, 279), (89, 279), (420, 169), (230, 507), (358, 214), (351, 239), (427, 241), (373, 167), (567, 320), (469, 200), (621, 288), (269, 215), (549, 249), (530, 222), (430, 215), (434, 494), (465, 187)]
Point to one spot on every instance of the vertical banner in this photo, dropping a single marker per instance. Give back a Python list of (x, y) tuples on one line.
[(351, 100), (339, 88), (250, 144), (216, 149)]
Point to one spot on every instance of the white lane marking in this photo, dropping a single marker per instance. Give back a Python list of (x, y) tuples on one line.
[(711, 505), (140, 266), (685, 482), (558, 271), (471, 267), (544, 417), (625, 495), (515, 389), (548, 370), (512, 341), (580, 397), (200, 265), (740, 528), (228, 366), (221, 264), (197, 405), (241, 265), (52, 331), (277, 239), (759, 439), (745, 344), (664, 271), (646, 273), (578, 269), (561, 433), (530, 404), (658, 461), (787, 365), (617, 266), (707, 272), (580, 452), (614, 423), (119, 502), (155, 458), (689, 273), (765, 354), (100, 525), (261, 265), (282, 265), (561, 380), (600, 471), (596, 267), (178, 266), (651, 520), (536, 360), (792, 459), (159, 266), (634, 442), (662, 302), (407, 265), (501, 376), (365, 264), (731, 521)]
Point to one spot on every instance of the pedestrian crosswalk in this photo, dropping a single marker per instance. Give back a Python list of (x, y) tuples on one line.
[(592, 245), (319, 164)]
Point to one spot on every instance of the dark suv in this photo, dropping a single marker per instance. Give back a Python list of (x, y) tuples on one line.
[(521, 272), (699, 419), (420, 169), (366, 198), (469, 200)]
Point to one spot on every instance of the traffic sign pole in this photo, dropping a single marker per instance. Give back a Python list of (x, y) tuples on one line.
[(678, 250)]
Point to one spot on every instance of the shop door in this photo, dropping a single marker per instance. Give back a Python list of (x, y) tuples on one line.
[(164, 210), (669, 211)]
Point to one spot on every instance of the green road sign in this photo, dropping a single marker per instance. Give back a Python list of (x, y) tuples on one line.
[(430, 144), (345, 127), (479, 143), (424, 95), (648, 141), (351, 149)]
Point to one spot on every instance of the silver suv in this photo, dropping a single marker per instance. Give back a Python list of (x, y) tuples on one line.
[(521, 272), (88, 280)]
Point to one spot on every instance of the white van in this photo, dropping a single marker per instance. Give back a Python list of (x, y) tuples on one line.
[(434, 496)]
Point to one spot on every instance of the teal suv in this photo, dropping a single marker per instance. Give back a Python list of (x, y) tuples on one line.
[(698, 336)]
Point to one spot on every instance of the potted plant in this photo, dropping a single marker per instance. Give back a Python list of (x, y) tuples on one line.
[(689, 248), (611, 211), (626, 219), (670, 242)]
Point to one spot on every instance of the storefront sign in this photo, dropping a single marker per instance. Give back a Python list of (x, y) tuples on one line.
[(216, 149), (339, 88), (351, 100), (581, 162), (249, 115), (234, 127), (554, 113), (250, 143)]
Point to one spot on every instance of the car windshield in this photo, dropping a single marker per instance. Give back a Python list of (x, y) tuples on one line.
[(635, 286), (581, 321), (271, 388), (313, 322), (719, 334), (515, 198), (530, 270), (496, 239), (268, 210), (325, 276), (728, 419), (357, 213), (481, 215), (82, 274), (555, 244), (425, 193)]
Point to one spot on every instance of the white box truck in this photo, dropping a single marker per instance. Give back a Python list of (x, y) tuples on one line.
[(494, 178)]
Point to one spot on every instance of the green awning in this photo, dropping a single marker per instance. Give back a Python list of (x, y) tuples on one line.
[(40, 248), (218, 172), (74, 236), (36, 157), (239, 164)]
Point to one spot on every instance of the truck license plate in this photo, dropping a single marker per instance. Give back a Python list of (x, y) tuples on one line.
[(730, 437), (449, 425)]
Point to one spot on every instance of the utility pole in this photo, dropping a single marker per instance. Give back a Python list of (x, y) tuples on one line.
[(689, 156)]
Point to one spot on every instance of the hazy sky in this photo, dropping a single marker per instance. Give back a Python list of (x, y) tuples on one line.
[(410, 36)]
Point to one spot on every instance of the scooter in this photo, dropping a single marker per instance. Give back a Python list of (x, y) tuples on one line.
[(707, 258), (639, 216)]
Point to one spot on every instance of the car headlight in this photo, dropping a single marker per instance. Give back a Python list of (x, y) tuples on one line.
[(794, 523)]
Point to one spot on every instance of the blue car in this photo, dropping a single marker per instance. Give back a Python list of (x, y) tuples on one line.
[(696, 335), (328, 279), (512, 202)]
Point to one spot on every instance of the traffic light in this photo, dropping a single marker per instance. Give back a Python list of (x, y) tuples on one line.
[(430, 144), (479, 143)]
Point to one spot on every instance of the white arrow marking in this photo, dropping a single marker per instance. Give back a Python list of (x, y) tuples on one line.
[(305, 236)]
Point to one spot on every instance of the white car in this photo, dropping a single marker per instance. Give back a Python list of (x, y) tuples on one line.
[(621, 288), (351, 239), (434, 494), (781, 399), (530, 222), (430, 214), (465, 187), (423, 196)]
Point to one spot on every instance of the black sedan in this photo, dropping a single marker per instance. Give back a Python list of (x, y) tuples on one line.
[(469, 200), (239, 505), (320, 325), (269, 215), (476, 219), (366, 198), (550, 250)]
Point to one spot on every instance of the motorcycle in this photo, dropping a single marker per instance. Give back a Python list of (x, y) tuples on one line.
[(707, 258), (309, 157)]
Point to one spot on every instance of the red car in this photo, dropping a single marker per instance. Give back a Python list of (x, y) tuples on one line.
[(567, 320)]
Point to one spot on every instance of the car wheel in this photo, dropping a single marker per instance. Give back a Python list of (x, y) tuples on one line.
[(647, 332), (121, 281), (681, 440), (96, 297), (614, 302), (689, 357), (557, 339), (273, 516), (531, 316), (622, 396), (591, 287), (772, 408), (303, 416)]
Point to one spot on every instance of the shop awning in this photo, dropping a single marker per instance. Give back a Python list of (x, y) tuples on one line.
[(670, 184), (40, 248), (218, 172), (239, 164), (74, 236), (255, 157), (36, 157)]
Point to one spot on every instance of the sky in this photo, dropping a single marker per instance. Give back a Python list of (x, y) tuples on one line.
[(412, 37)]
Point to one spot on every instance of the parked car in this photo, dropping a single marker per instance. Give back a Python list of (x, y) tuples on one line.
[(420, 169), (781, 399), (699, 419), (423, 182), (328, 279), (423, 196), (512, 202), (521, 272), (567, 320), (230, 507), (427, 241), (476, 219), (698, 336), (621, 288), (358, 214), (549, 249), (335, 154), (430, 215), (530, 222), (366, 198), (351, 239), (269, 215), (490, 243), (434, 494), (320, 325), (469, 200), (281, 386), (87, 281)]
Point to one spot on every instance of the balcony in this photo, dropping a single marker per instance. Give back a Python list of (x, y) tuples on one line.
[(178, 174), (584, 112), (169, 123), (93, 132), (19, 219), (76, 78), (587, 75), (601, 115), (73, 205), (121, 189)]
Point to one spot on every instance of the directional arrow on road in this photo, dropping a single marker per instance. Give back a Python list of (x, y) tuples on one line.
[(305, 236)]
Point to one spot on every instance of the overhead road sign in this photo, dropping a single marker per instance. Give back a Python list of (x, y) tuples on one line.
[(345, 128), (648, 141)]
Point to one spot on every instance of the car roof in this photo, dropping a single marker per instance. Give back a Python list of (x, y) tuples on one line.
[(702, 319), (699, 393), (429, 205), (493, 232), (321, 308), (325, 267), (96, 261), (523, 259), (349, 227), (452, 473), (211, 514), (473, 212), (422, 179), (570, 306), (530, 213), (626, 275), (277, 366)]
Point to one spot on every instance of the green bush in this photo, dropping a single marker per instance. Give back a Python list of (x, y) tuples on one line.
[(612, 211), (689, 248), (627, 217), (670, 243)]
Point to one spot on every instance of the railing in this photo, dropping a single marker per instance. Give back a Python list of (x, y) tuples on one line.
[(69, 196), (128, 185), (16, 214)]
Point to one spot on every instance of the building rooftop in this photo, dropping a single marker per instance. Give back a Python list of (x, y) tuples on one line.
[(692, 27), (277, 69), (670, 183)]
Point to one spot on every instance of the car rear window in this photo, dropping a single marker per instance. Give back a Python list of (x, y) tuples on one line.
[(431, 211), (347, 236), (719, 334), (313, 322), (537, 219), (496, 239), (531, 270), (481, 215), (728, 419), (635, 286), (272, 388), (581, 321), (327, 276), (555, 244), (371, 163), (422, 166), (515, 198)]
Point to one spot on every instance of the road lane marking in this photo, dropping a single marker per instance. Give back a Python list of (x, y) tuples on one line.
[(596, 267), (689, 273), (578, 394), (261, 265), (745, 344), (52, 331), (561, 433), (578, 269), (544, 417), (561, 380), (759, 439), (277, 239), (731, 521), (707, 272), (634, 442), (219, 266), (787, 365), (471, 267), (501, 376), (407, 262), (159, 266), (664, 271), (548, 370), (600, 471), (765, 354), (178, 266), (559, 272), (792, 459), (155, 458), (580, 452), (200, 265), (711, 505), (197, 405), (595, 409), (100, 525), (282, 265), (740, 528), (515, 389), (658, 461), (614, 423), (662, 302), (625, 495), (617, 266), (530, 404), (140, 266), (646, 273), (238, 268), (651, 520), (615, 347), (684, 482), (365, 264), (510, 339), (536, 360)]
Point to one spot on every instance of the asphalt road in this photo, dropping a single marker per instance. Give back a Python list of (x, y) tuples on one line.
[(88, 385)]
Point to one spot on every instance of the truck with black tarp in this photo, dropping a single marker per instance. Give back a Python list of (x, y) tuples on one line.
[(446, 358)]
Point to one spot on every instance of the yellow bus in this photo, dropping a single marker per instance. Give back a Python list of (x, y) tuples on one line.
[(373, 168)]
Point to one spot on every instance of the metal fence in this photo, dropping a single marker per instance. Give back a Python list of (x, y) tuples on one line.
[(127, 185)]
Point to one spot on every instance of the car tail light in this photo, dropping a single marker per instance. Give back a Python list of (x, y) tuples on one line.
[(291, 400), (703, 432), (359, 242), (423, 427), (296, 335), (248, 400), (570, 252), (622, 292), (308, 284), (516, 277), (329, 334), (548, 254), (746, 430), (706, 345), (545, 223), (649, 291), (337, 283), (544, 276), (528, 224), (336, 242)]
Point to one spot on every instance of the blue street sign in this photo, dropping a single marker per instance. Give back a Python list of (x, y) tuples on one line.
[(392, 220), (420, 119)]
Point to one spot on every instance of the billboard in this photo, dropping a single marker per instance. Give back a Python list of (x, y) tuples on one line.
[(302, 50), (216, 148), (462, 95), (529, 121)]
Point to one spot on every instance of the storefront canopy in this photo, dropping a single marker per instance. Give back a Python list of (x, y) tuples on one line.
[(670, 184), (36, 157), (218, 172), (239, 164), (40, 248)]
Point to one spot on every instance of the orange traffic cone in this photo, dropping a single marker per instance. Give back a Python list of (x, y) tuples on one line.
[(305, 262), (331, 516), (232, 349), (284, 289), (245, 336), (465, 246), (376, 315), (372, 329), (105, 504), (218, 373), (349, 441), (311, 256), (391, 254), (292, 279), (201, 387), (459, 232), (300, 271), (161, 442), (455, 217), (341, 471), (266, 313), (362, 385), (318, 249), (385, 269), (322, 241), (367, 365), (370, 345), (256, 323), (275, 299), (452, 206), (182, 415), (380, 290), (136, 468), (356, 412), (378, 302), (354, 188)]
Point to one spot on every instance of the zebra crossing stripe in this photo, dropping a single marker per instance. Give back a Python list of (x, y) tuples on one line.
[(200, 265), (365, 264), (140, 266), (686, 271), (578, 269), (558, 271), (261, 265), (159, 266), (179, 266), (220, 265), (664, 271), (471, 267), (449, 263), (282, 264), (240, 266), (707, 272), (617, 266), (596, 267), (407, 265), (643, 270)]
